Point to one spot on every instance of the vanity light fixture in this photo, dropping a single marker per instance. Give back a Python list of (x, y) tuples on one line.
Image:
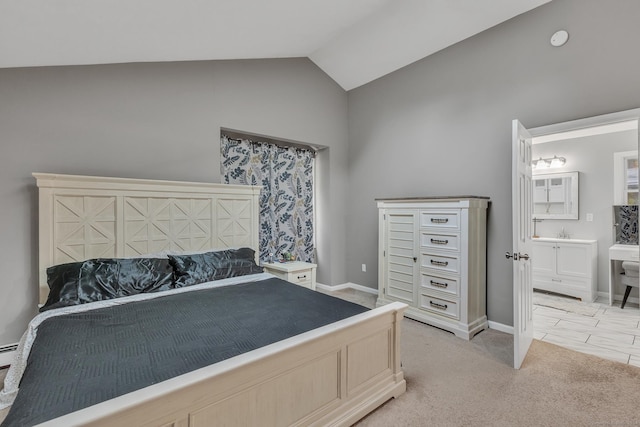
[(551, 162)]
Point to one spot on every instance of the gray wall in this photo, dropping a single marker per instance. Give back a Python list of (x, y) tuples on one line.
[(593, 157), (439, 126), (157, 121), (442, 126)]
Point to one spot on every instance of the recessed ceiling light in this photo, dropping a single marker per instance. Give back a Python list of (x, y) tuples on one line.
[(559, 38)]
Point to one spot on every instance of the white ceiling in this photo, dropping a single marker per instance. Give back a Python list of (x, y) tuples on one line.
[(353, 41)]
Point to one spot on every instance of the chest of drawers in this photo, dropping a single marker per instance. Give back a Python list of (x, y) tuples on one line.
[(432, 256)]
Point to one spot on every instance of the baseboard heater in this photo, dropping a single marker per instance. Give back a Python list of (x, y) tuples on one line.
[(7, 352)]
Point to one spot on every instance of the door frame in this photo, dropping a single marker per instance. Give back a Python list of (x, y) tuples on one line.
[(571, 126)]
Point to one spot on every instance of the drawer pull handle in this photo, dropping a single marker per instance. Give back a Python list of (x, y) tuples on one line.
[(439, 263), (439, 242), (302, 277), (440, 220), (438, 306), (439, 284)]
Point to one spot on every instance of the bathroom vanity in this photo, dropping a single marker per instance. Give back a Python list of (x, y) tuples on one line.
[(566, 266)]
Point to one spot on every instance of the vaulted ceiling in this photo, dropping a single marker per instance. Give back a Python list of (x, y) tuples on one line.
[(353, 41)]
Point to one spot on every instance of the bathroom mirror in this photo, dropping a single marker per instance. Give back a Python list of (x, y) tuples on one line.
[(555, 195)]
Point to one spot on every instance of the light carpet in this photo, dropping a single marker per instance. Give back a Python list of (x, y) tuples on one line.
[(452, 382)]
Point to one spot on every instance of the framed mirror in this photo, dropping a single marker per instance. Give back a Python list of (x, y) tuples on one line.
[(555, 195)]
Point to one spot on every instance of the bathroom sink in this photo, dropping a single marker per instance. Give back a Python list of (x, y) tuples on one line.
[(555, 239)]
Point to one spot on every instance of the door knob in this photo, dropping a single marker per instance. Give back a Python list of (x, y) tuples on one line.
[(516, 256)]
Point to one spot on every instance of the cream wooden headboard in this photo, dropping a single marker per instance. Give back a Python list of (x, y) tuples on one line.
[(84, 217)]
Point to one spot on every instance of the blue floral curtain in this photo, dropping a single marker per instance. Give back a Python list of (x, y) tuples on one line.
[(286, 200)]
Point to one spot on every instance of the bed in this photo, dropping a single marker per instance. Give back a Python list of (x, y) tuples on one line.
[(333, 374)]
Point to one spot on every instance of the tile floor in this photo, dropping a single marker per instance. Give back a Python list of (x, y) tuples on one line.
[(593, 328)]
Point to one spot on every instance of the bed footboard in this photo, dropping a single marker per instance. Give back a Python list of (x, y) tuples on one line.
[(333, 375)]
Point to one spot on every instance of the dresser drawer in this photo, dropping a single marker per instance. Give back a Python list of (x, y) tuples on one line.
[(440, 219), (439, 306), (430, 282), (440, 241), (433, 261)]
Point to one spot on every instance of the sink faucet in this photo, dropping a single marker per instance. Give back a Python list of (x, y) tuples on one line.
[(563, 234)]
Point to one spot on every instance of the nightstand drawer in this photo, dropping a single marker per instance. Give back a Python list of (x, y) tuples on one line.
[(302, 278), (297, 272)]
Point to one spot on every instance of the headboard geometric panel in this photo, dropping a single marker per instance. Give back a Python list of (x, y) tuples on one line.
[(84, 217)]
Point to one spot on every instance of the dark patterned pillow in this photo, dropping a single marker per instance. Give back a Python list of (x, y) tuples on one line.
[(105, 278), (63, 285), (205, 267), (108, 278)]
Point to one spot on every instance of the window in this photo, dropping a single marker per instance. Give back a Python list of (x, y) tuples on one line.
[(625, 180), (286, 174)]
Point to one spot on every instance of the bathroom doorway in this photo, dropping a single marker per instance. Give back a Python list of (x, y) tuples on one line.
[(587, 146)]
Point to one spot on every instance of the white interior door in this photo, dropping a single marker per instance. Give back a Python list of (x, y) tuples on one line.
[(522, 245)]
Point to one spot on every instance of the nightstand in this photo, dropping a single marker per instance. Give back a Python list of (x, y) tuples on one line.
[(298, 272)]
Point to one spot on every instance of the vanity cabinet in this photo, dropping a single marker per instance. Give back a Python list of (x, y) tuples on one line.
[(565, 266), (432, 256)]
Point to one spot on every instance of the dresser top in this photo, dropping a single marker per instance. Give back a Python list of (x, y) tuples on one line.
[(448, 198)]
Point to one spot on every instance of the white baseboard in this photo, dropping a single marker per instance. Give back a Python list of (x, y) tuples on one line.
[(347, 286), (501, 327)]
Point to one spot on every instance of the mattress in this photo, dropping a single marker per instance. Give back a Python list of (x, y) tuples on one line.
[(82, 358)]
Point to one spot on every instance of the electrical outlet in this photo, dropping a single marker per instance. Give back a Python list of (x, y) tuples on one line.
[(589, 217), (364, 267)]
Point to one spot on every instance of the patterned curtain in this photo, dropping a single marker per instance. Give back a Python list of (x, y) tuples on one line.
[(286, 200)]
